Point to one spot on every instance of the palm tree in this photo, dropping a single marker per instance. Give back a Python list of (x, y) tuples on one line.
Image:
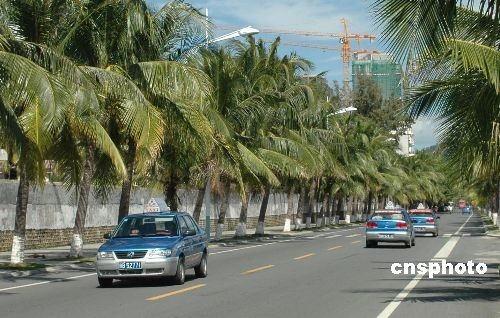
[(65, 100), (454, 56)]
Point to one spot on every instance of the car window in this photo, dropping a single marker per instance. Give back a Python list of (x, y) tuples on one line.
[(147, 226), (190, 223), (377, 216), (182, 224)]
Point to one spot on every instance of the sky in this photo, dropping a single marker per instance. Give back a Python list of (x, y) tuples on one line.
[(301, 15)]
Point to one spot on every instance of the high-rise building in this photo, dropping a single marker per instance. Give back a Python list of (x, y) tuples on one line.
[(381, 67), (387, 74)]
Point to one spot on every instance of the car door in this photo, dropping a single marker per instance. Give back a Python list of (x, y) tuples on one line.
[(188, 242), (197, 240)]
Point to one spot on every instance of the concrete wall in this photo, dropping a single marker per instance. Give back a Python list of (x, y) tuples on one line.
[(52, 209)]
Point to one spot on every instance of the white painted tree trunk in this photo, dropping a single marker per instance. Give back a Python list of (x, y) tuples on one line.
[(241, 230), (327, 221), (218, 232), (287, 226), (298, 223), (76, 246), (260, 228), (347, 219), (17, 254), (319, 222), (495, 218), (308, 222), (359, 217)]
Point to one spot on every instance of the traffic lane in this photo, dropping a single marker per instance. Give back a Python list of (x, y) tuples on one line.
[(316, 285), (224, 274), (456, 295), (66, 271)]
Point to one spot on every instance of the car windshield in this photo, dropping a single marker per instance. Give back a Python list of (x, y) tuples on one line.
[(421, 214), (378, 216), (147, 226)]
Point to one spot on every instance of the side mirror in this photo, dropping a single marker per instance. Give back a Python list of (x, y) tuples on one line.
[(107, 236), (189, 232)]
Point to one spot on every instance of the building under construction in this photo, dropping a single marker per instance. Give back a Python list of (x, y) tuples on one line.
[(381, 68)]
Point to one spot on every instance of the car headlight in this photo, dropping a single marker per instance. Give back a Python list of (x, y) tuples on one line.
[(158, 253), (105, 255)]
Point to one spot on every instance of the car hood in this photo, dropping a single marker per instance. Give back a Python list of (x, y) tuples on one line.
[(138, 243)]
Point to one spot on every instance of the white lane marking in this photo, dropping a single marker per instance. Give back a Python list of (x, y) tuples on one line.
[(446, 235), (460, 228), (400, 297), (333, 236), (466, 234), (353, 235), (444, 252), (242, 248), (79, 276), (27, 285), (47, 282)]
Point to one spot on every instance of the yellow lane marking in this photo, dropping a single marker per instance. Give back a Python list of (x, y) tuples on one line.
[(304, 256), (257, 269), (355, 242), (175, 292), (334, 248)]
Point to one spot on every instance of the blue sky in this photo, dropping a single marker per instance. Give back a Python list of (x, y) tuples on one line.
[(310, 15)]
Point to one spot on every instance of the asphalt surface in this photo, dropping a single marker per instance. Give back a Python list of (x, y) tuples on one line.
[(323, 274)]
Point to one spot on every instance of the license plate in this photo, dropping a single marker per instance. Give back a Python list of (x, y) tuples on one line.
[(420, 229), (130, 265), (385, 235)]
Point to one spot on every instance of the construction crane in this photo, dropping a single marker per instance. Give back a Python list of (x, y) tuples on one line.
[(345, 40)]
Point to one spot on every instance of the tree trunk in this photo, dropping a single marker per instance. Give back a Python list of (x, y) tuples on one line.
[(199, 203), (82, 206), (242, 226), (324, 208), (262, 214), (226, 192), (300, 207), (127, 183), (170, 193), (370, 199), (289, 209), (17, 253), (311, 203)]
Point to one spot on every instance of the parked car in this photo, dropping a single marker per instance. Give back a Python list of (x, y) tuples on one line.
[(425, 221), (153, 245), (391, 226)]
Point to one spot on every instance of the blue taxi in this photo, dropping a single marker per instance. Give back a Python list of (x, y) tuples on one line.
[(389, 225), (145, 245), (425, 221)]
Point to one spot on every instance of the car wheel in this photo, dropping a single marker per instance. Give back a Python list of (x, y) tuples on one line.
[(413, 242), (369, 244), (105, 282), (408, 244), (180, 275), (201, 270)]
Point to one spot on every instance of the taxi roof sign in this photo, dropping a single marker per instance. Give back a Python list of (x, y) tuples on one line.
[(420, 206), (156, 205), (389, 205)]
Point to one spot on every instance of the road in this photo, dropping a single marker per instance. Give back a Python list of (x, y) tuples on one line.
[(323, 274)]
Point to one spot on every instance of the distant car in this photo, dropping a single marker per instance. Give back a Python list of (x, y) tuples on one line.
[(425, 221), (389, 226), (153, 245)]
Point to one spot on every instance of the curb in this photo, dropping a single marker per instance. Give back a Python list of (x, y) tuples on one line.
[(47, 270)]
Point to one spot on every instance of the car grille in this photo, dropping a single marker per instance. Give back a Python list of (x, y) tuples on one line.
[(125, 254), (107, 272)]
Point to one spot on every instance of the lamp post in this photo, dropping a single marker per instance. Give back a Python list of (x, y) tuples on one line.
[(340, 111), (208, 189)]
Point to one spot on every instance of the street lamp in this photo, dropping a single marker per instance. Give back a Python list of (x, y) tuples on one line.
[(340, 111), (208, 192), (241, 32)]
